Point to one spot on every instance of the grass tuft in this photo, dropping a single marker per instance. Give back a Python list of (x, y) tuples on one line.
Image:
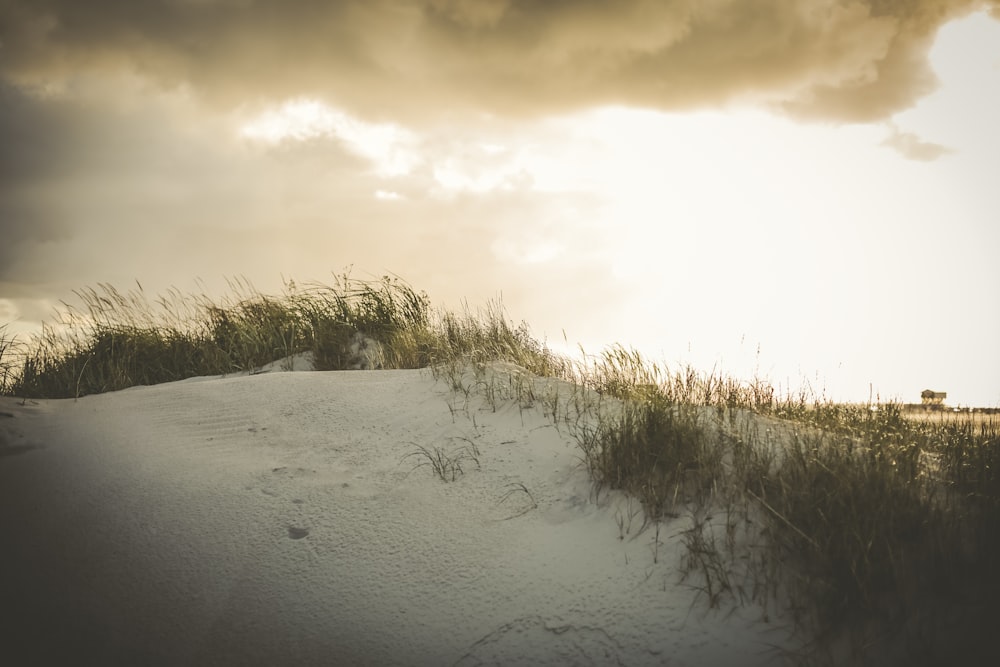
[(10, 350), (446, 465)]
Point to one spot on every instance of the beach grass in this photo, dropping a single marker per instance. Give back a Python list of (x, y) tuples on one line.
[(11, 351), (878, 532)]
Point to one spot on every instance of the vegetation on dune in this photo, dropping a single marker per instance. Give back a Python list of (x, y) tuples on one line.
[(863, 522), (115, 340), (10, 351)]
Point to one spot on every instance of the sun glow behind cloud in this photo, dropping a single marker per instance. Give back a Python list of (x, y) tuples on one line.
[(772, 232), (387, 146)]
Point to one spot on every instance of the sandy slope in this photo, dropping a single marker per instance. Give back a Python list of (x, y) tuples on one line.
[(272, 519)]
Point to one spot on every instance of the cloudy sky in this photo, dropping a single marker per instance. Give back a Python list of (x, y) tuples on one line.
[(807, 190)]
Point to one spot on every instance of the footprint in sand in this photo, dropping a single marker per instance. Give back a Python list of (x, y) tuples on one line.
[(296, 533)]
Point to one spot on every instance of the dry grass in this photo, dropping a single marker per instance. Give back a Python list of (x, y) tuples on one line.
[(874, 527), (871, 528), (111, 340)]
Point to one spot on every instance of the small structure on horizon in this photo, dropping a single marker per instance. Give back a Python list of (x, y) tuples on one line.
[(933, 399)]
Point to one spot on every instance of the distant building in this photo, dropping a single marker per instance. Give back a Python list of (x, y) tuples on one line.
[(932, 399)]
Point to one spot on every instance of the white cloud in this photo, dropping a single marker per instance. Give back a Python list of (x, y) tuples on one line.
[(389, 147), (912, 147)]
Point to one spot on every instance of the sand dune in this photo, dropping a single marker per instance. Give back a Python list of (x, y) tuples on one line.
[(277, 519)]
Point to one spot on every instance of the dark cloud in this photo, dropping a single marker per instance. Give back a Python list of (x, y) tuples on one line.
[(835, 59), (34, 139)]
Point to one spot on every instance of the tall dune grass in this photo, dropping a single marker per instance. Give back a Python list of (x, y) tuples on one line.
[(861, 521), (111, 340), (870, 524), (10, 353)]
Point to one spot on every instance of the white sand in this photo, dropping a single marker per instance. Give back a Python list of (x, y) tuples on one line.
[(272, 519)]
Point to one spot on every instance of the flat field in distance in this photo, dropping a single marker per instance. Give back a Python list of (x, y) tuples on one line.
[(949, 416)]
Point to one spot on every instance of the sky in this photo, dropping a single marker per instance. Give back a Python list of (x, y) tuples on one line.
[(800, 191)]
